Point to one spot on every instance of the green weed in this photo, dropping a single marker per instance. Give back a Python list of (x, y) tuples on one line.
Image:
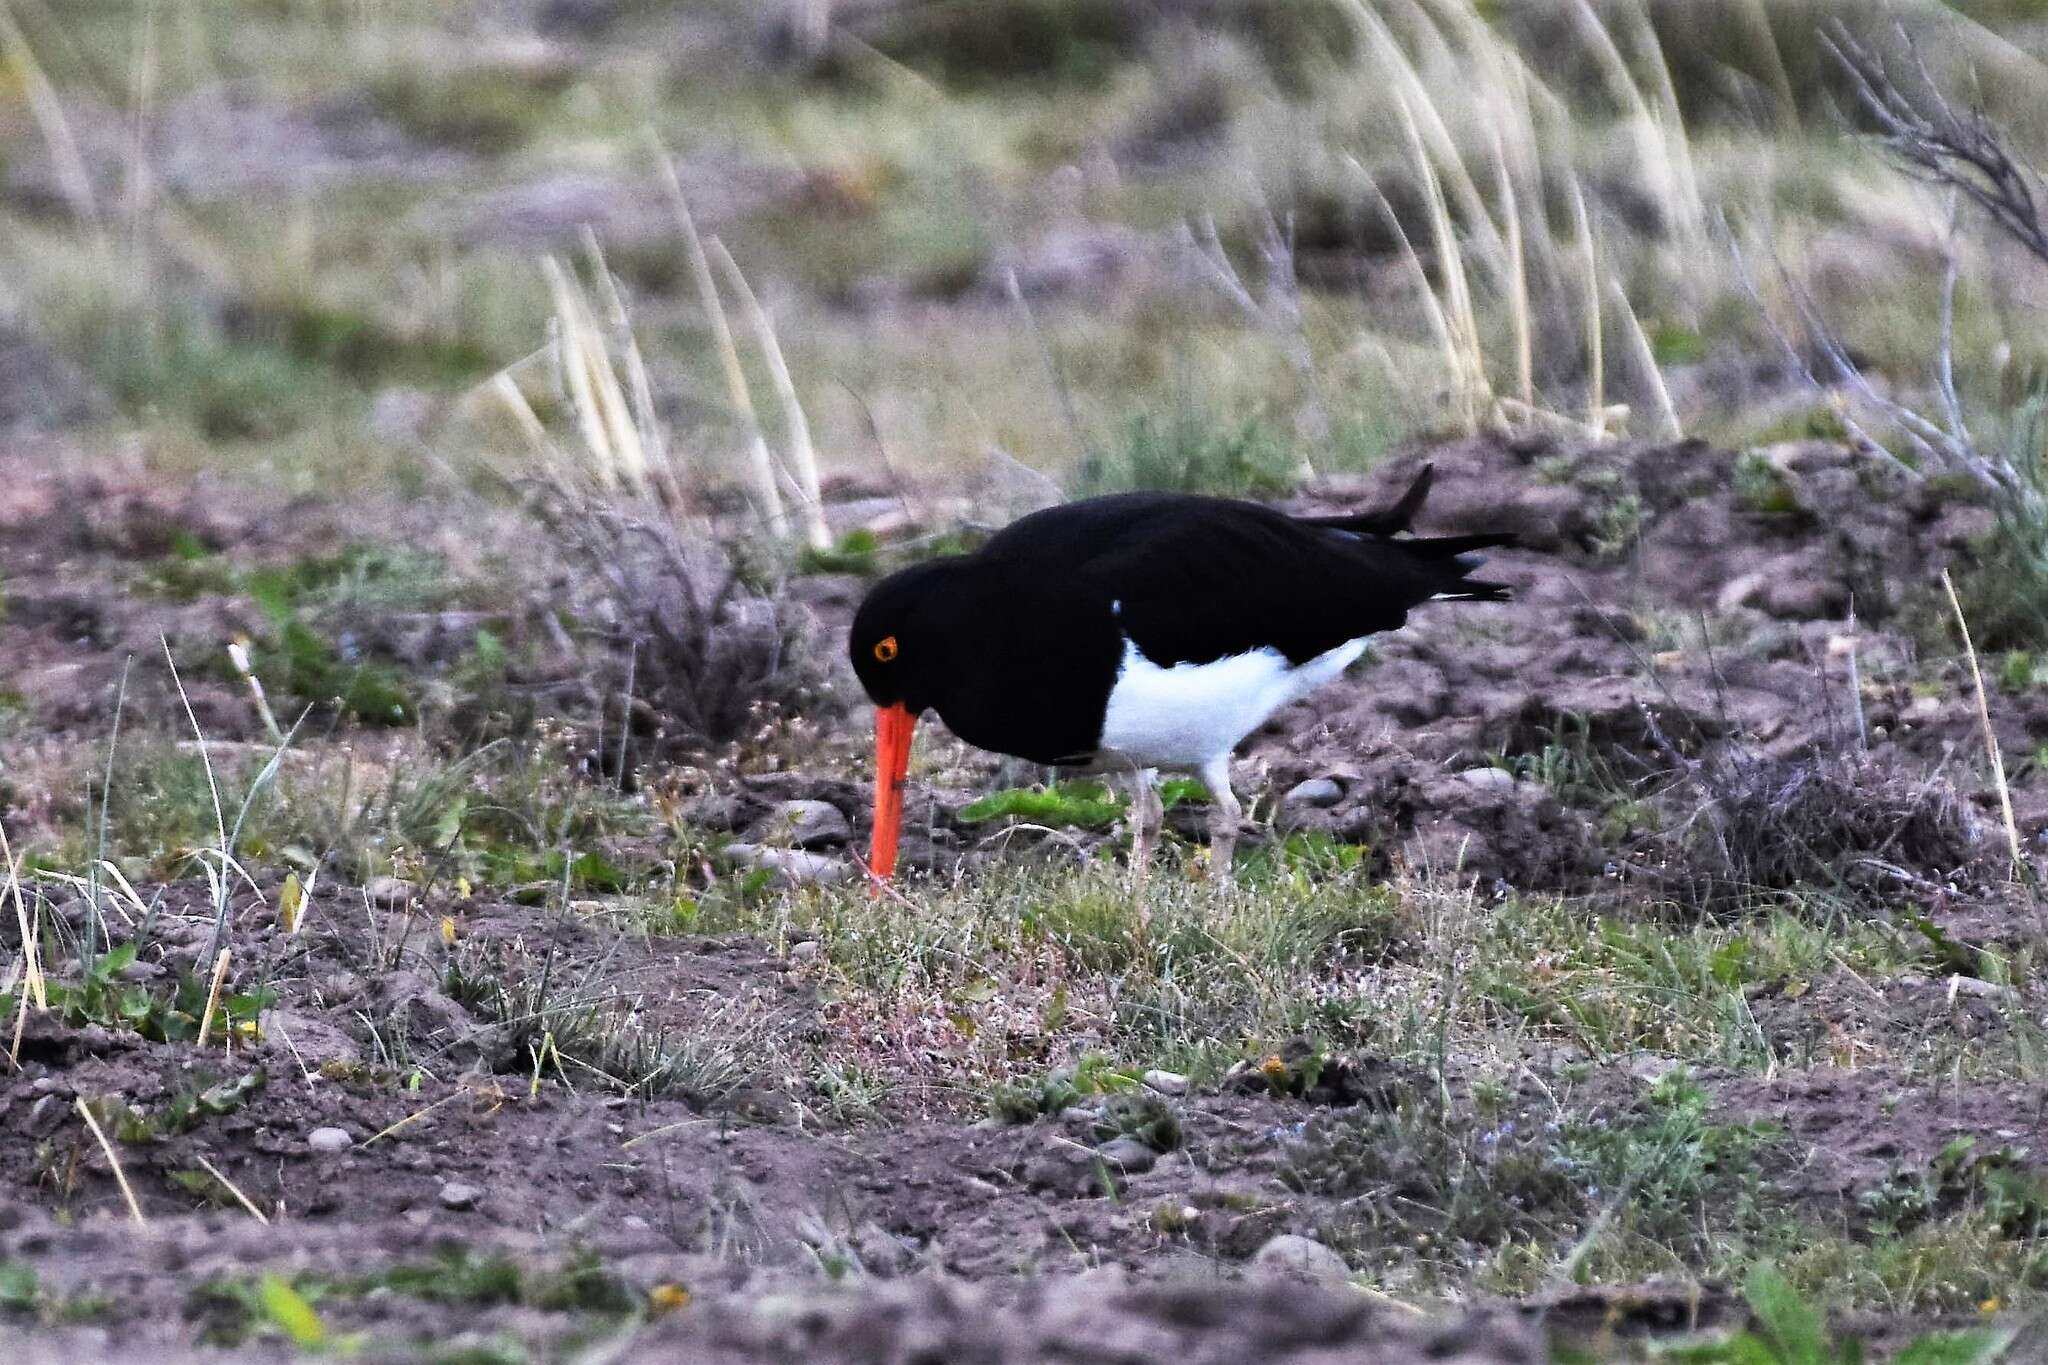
[(1075, 805)]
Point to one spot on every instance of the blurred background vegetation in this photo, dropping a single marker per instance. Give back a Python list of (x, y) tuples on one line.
[(1201, 243)]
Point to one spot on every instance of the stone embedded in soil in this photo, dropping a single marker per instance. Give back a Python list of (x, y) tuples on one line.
[(1488, 779), (1128, 1155), (329, 1140), (810, 825), (791, 866), (1319, 792), (805, 951), (390, 893), (457, 1195), (1292, 1254), (1166, 1082)]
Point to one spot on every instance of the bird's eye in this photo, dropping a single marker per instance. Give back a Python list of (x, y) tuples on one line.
[(885, 649)]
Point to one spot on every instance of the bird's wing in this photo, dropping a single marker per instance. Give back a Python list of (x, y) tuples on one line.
[(1192, 579)]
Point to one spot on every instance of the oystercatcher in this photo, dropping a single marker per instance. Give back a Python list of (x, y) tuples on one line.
[(1139, 632)]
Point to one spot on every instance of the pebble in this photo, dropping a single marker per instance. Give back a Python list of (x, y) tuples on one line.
[(390, 893), (456, 1195), (806, 951), (1128, 1155), (1319, 792), (330, 1140), (1294, 1254), (1166, 1082), (811, 824), (1488, 779)]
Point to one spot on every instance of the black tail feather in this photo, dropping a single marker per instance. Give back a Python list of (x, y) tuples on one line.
[(1387, 521), (1446, 560)]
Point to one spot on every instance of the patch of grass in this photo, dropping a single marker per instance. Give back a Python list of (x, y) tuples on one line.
[(1955, 1264), (1674, 1178), (1614, 986), (487, 110), (358, 347), (1790, 1329), (973, 46), (1191, 453)]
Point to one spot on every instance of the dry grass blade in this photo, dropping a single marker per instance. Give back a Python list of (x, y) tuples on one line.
[(72, 176), (120, 1176), (616, 446), (2012, 832), (1596, 347), (803, 456), (220, 976), (760, 466), (234, 1190), (31, 932), (1646, 361)]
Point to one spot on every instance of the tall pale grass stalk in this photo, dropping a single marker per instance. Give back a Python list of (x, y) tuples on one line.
[(74, 181), (760, 468), (120, 1176), (803, 456), (2012, 831)]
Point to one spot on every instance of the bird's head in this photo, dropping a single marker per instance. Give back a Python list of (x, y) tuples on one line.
[(897, 644)]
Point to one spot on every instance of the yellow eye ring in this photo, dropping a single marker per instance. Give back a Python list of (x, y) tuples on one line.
[(885, 649)]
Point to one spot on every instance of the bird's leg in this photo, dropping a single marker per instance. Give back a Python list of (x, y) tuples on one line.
[(1146, 816), (1224, 815)]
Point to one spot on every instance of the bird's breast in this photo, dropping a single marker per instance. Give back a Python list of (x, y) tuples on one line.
[(1183, 715)]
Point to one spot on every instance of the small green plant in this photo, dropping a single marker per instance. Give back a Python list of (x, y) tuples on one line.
[(1095, 1074), (854, 553), (98, 996), (1078, 805), (19, 1290), (1762, 487), (2014, 1198)]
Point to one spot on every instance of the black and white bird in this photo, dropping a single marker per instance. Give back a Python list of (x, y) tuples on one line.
[(1140, 632)]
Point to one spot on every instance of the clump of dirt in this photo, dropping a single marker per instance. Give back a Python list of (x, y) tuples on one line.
[(1679, 690), (1762, 823)]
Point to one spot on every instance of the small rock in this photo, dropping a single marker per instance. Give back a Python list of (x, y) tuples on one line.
[(806, 951), (810, 824), (792, 866), (1320, 792), (390, 893), (331, 1140), (882, 1253), (1292, 1254), (1166, 1082), (456, 1195), (1488, 779), (1128, 1155)]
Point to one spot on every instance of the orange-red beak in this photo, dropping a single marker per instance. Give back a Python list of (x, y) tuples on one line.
[(893, 727)]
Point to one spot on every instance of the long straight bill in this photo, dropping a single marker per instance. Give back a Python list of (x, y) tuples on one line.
[(893, 727)]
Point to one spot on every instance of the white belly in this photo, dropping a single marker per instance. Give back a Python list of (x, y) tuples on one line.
[(1190, 715)]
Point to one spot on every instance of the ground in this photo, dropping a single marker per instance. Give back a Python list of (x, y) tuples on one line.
[(433, 787)]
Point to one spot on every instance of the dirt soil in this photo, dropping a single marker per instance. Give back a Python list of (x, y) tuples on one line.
[(944, 1236)]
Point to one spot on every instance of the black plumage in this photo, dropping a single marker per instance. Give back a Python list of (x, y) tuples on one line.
[(1017, 645)]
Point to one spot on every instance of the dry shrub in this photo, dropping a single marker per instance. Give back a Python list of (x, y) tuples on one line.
[(1853, 822), (700, 646)]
